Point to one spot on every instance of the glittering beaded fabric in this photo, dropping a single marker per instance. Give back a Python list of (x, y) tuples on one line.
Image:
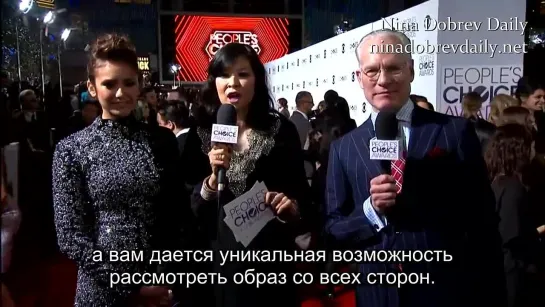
[(105, 179), (243, 163)]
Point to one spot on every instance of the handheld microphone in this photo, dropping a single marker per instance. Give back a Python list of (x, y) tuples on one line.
[(385, 147), (225, 131)]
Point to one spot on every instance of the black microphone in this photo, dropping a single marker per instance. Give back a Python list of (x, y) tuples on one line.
[(225, 131), (386, 146)]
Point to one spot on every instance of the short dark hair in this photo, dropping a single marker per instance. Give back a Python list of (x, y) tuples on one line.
[(331, 96), (526, 86), (474, 95), (174, 111), (92, 102), (417, 98), (301, 95), (147, 89), (471, 103)]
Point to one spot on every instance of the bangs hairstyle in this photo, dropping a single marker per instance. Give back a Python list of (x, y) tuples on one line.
[(261, 108), (113, 48)]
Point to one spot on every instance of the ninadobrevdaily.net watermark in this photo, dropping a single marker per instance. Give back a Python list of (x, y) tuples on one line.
[(482, 46)]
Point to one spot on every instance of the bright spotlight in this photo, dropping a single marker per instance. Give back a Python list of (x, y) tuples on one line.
[(49, 17), (174, 68), (25, 6), (65, 34)]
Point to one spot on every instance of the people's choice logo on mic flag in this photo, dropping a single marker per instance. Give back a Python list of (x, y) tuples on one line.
[(248, 214), (384, 149), (224, 134)]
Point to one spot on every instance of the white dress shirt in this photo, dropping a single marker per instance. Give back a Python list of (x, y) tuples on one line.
[(303, 113), (29, 116), (404, 114), (185, 130), (307, 141)]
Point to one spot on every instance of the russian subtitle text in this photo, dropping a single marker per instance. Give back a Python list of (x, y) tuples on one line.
[(259, 279), (272, 256), (166, 256), (357, 256), (185, 279)]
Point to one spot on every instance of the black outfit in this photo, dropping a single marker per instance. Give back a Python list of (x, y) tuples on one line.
[(36, 236), (522, 254), (115, 188), (152, 118), (75, 124), (539, 118), (6, 125), (191, 159), (484, 130), (274, 157), (36, 130)]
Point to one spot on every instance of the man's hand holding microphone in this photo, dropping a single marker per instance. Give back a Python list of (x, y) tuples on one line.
[(386, 149), (383, 193)]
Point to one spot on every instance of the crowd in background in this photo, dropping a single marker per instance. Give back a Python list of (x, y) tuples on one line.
[(39, 275), (512, 140)]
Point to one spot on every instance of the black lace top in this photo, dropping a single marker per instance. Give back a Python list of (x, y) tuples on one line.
[(274, 157)]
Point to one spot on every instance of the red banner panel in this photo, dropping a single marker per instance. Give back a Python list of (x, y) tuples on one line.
[(198, 38)]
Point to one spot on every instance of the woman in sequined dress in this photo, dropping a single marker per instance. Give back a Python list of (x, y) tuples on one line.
[(268, 150), (115, 186)]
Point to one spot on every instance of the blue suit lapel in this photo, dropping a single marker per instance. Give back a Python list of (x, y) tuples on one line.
[(365, 133), (423, 133)]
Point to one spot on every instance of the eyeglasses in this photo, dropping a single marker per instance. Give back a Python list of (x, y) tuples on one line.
[(374, 73)]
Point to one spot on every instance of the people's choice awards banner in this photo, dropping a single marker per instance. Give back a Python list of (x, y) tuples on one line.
[(436, 45), (488, 81)]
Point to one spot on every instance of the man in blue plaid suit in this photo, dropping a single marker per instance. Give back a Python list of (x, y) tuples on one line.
[(441, 202)]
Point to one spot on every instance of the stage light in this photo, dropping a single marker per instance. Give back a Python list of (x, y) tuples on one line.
[(65, 34), (174, 68), (25, 6), (49, 18)]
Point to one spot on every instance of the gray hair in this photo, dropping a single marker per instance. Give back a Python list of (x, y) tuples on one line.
[(24, 94), (406, 44)]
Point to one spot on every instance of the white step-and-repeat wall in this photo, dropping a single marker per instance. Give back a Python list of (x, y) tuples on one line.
[(448, 61)]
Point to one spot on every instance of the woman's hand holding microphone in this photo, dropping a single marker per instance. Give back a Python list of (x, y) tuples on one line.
[(220, 156)]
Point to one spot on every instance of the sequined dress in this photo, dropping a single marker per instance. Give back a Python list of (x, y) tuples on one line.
[(111, 184)]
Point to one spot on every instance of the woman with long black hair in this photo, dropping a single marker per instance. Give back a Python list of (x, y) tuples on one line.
[(268, 150)]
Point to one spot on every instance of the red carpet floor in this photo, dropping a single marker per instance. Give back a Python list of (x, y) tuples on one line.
[(53, 284), (346, 299)]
